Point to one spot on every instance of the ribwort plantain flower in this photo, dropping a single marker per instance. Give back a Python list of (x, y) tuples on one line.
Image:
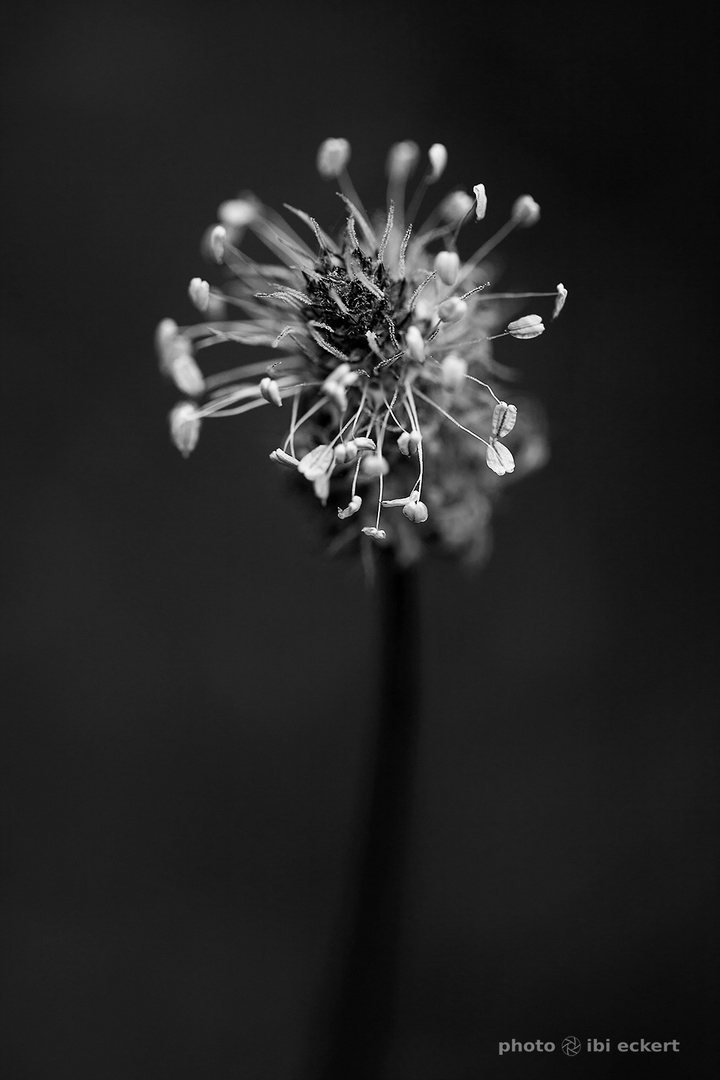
[(380, 350)]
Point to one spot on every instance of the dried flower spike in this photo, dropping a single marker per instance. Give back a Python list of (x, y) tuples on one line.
[(378, 342)]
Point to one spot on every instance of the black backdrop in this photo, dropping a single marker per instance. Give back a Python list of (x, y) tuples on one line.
[(189, 688)]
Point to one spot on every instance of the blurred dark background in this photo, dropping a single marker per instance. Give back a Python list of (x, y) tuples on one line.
[(189, 689)]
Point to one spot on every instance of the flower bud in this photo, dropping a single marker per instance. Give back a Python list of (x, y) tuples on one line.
[(559, 300), (218, 239), (438, 156), (332, 157), (414, 344), (525, 211), (352, 507), (447, 267), (529, 326), (199, 293), (454, 370), (375, 465), (351, 450), (455, 206), (184, 427), (417, 512), (452, 309), (270, 391), (402, 159), (503, 419), (480, 201), (414, 441)]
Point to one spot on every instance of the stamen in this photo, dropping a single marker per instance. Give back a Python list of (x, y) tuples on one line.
[(218, 238), (560, 301), (270, 391), (199, 293), (529, 326), (220, 412), (447, 268), (503, 419), (415, 440), (401, 162), (480, 201), (449, 417), (184, 427), (332, 157)]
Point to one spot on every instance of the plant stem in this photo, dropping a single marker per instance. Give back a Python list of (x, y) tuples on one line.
[(364, 989)]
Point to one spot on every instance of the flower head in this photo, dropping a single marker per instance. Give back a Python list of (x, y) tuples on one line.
[(379, 341)]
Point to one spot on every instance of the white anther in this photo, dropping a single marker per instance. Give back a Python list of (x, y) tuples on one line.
[(186, 375), (362, 442), (447, 266), (235, 213), (416, 512), (168, 340), (376, 534), (270, 391), (335, 383), (281, 458), (454, 370), (525, 211), (480, 201), (375, 465), (184, 427), (559, 300), (338, 374), (332, 157), (499, 458), (352, 507), (452, 309), (437, 155), (529, 326), (503, 419), (351, 450), (402, 159), (414, 344), (455, 206), (218, 239), (199, 293), (411, 498)]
